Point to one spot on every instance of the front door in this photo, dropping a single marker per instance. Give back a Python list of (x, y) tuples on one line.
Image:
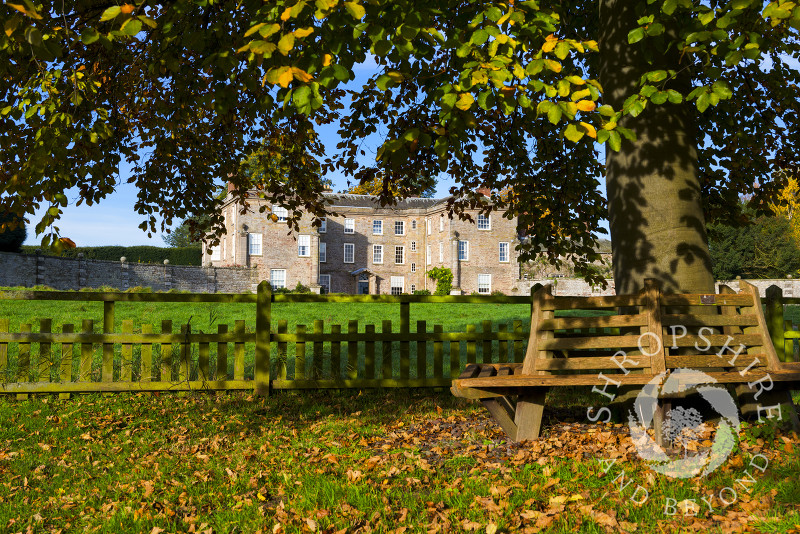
[(363, 287)]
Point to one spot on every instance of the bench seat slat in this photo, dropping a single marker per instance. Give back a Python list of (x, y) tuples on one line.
[(602, 321), (592, 342), (716, 340), (707, 320), (712, 360), (736, 299), (590, 362)]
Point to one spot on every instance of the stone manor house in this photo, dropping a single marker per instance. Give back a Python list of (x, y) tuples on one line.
[(369, 248)]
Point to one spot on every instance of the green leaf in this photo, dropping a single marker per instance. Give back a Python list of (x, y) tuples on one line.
[(706, 17), (655, 29), (254, 29), (356, 10), (479, 37), (89, 36), (131, 27), (606, 110), (554, 114), (110, 13), (33, 36), (302, 99), (286, 44), (669, 6), (721, 89), (449, 101), (703, 102), (381, 48), (733, 58), (674, 96), (572, 133), (614, 140), (635, 35), (659, 98)]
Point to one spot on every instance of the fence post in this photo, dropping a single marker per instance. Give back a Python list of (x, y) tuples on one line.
[(107, 367), (263, 326), (774, 317)]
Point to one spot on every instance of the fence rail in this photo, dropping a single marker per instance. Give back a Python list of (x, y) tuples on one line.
[(270, 356)]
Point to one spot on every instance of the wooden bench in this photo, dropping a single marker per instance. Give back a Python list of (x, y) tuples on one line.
[(650, 334)]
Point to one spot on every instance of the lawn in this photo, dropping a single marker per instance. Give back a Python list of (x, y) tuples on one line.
[(399, 461)]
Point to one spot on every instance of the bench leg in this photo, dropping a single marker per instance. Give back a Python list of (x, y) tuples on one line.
[(530, 408), (503, 413)]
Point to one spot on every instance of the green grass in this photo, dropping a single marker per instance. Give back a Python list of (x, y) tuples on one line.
[(373, 461)]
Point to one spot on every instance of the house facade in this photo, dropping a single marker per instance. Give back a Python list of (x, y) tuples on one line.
[(369, 248)]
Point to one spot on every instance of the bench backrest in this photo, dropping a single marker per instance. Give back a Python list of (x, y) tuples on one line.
[(655, 333)]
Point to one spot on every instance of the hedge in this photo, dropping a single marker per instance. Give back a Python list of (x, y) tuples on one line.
[(140, 254)]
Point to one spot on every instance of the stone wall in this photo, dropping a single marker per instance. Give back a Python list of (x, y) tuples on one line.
[(579, 288), (21, 270)]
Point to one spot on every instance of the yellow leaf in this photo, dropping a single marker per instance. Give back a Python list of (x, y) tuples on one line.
[(261, 497), (586, 105), (31, 13), (286, 44), (254, 29), (355, 9), (590, 130), (285, 78), (479, 77), (303, 32), (465, 101), (610, 125), (300, 74), (553, 65), (326, 60), (287, 14)]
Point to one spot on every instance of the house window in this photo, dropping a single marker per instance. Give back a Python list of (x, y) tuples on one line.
[(377, 227), (349, 253), (397, 285), (484, 284), (349, 226), (325, 283), (413, 288), (304, 246), (413, 246), (428, 226), (441, 251), (377, 253), (277, 278), (323, 226), (254, 244), (484, 223), (323, 252), (503, 252), (441, 223), (413, 267), (414, 224), (214, 253), (428, 255), (463, 250), (281, 213), (399, 255), (399, 228)]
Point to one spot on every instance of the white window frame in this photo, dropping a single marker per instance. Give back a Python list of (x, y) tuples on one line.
[(352, 253), (304, 246), (325, 281), (380, 227), (401, 225), (393, 284), (280, 212), (441, 251), (441, 223), (465, 256), (413, 246), (413, 267), (413, 224), (323, 227), (428, 255), (323, 252), (402, 254), (500, 252), (484, 222), (254, 244), (273, 278), (488, 290), (379, 256), (215, 253), (349, 226), (428, 225), (413, 288)]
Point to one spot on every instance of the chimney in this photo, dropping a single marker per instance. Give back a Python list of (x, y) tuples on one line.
[(485, 191)]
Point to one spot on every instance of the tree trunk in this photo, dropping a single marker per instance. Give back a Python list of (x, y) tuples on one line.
[(655, 213)]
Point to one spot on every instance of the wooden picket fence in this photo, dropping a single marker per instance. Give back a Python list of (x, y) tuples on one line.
[(314, 356), (79, 360)]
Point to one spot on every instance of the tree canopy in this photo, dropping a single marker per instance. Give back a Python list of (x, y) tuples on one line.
[(420, 186), (694, 101)]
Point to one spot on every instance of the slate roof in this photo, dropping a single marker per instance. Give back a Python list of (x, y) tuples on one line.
[(369, 201)]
